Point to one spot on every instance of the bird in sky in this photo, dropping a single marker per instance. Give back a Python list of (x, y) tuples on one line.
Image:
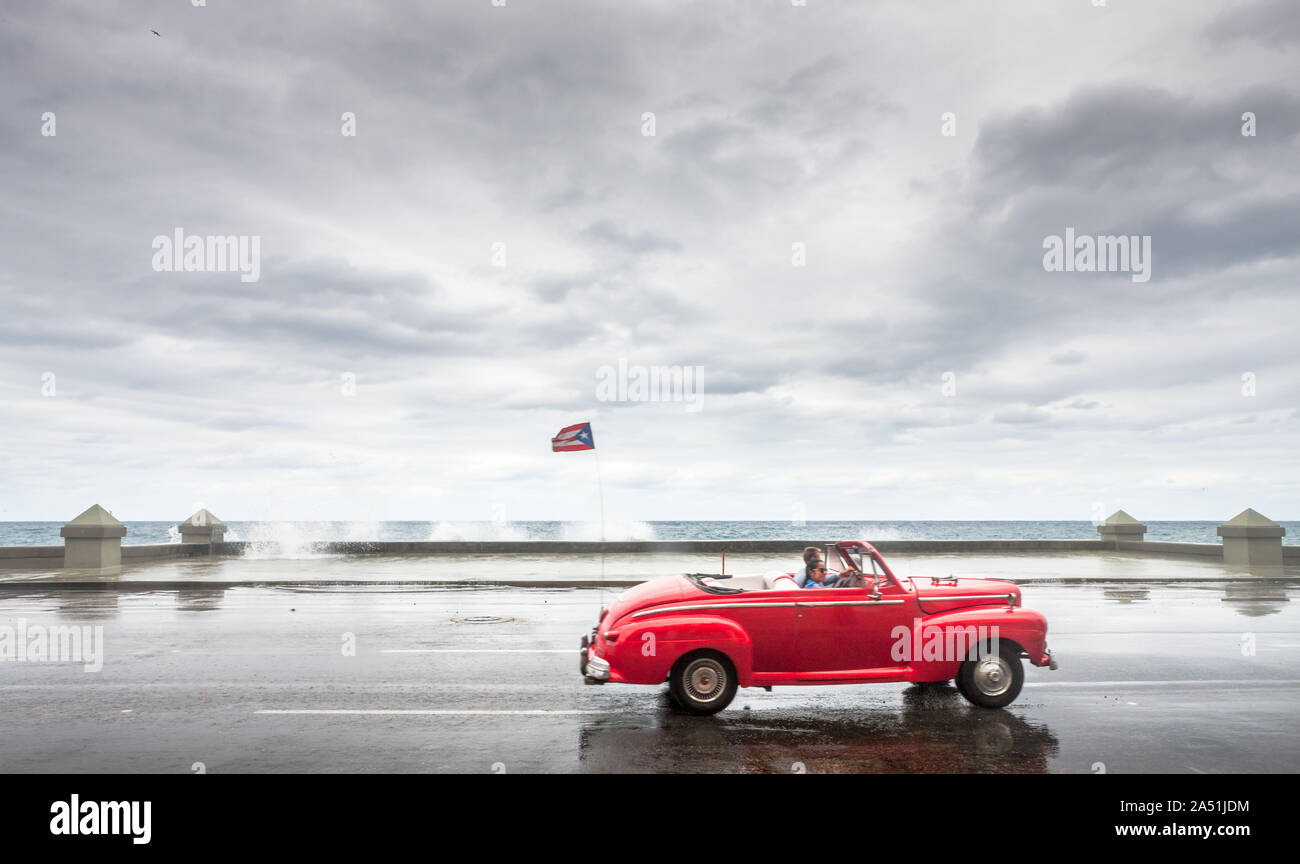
[(155, 32)]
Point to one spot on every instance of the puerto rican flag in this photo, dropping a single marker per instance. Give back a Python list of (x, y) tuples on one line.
[(576, 437)]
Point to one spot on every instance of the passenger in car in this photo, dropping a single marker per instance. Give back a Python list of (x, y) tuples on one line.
[(817, 576), (820, 577), (810, 555)]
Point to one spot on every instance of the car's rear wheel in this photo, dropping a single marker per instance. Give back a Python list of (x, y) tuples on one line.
[(703, 682), (993, 680)]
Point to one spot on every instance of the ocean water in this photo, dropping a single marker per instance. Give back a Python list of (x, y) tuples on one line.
[(299, 535)]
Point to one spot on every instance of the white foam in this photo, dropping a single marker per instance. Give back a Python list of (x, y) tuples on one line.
[(615, 529), (280, 540), (872, 531), (475, 532), (359, 531)]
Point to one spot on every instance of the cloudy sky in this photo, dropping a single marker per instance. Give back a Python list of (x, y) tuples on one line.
[(517, 136)]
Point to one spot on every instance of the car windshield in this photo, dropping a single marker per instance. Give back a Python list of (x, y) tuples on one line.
[(866, 564)]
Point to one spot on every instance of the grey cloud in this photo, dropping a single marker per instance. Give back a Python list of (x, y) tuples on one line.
[(608, 233), (1114, 136), (1020, 415), (522, 123), (820, 99), (241, 423), (1270, 22)]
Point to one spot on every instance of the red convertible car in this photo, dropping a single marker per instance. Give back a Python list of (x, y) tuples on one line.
[(708, 635)]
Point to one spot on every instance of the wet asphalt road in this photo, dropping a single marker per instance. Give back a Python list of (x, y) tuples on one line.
[(243, 679)]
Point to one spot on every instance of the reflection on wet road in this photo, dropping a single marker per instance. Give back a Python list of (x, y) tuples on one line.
[(935, 730), (1199, 678)]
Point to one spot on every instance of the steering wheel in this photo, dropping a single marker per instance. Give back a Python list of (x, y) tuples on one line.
[(850, 573)]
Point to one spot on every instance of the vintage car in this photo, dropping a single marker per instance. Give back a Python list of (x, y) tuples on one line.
[(707, 635)]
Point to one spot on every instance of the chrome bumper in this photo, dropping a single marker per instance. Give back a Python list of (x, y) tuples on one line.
[(597, 670)]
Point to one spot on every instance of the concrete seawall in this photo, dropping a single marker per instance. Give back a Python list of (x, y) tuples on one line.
[(717, 547), (31, 557), (21, 558), (51, 557), (713, 547), (775, 547), (93, 544)]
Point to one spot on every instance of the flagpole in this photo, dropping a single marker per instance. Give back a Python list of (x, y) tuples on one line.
[(579, 437), (600, 486)]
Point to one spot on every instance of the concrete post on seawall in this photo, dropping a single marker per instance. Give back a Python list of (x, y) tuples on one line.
[(1252, 540), (203, 528), (93, 540), (1119, 527)]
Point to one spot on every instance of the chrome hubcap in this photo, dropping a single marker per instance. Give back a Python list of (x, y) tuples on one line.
[(993, 676), (705, 680)]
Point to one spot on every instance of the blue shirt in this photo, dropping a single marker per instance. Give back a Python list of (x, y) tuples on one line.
[(812, 583)]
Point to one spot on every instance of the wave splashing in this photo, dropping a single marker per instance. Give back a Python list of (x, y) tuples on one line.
[(475, 532), (615, 529), (300, 539)]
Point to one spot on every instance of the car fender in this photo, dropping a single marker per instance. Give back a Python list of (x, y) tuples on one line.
[(1023, 627), (647, 648)]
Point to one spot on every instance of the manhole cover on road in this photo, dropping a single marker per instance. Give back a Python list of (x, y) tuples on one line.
[(481, 619)]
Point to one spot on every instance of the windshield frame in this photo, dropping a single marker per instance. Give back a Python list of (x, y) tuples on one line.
[(854, 553)]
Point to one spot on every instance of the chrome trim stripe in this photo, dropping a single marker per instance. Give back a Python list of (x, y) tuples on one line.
[(852, 603), (666, 609), (698, 606), (999, 598)]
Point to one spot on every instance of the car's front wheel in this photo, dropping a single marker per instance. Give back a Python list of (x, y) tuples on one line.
[(703, 682), (993, 680)]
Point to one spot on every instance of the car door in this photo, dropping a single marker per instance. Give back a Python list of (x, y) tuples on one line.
[(769, 619), (848, 630)]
